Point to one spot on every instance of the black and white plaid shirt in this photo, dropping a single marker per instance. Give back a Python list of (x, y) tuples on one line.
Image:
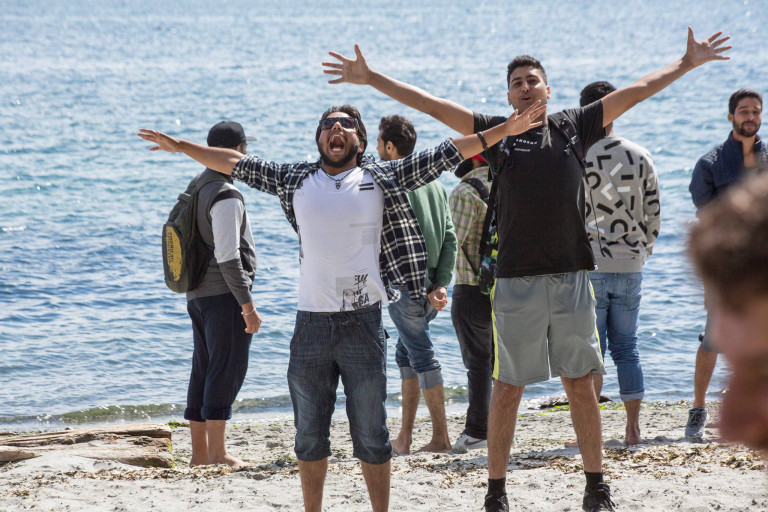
[(403, 259)]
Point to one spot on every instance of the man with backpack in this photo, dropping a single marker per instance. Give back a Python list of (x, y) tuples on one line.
[(470, 307), (420, 370), (224, 317), (358, 239), (543, 308)]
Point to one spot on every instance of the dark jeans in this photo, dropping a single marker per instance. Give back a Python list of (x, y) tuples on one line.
[(471, 316), (219, 359), (324, 347)]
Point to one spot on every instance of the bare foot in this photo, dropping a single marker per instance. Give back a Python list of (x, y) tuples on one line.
[(401, 446), (436, 447), (632, 436), (573, 443), (230, 461), (198, 461)]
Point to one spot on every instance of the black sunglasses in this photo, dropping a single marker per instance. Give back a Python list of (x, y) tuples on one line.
[(348, 123)]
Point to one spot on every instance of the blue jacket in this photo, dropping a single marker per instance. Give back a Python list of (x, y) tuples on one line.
[(721, 167)]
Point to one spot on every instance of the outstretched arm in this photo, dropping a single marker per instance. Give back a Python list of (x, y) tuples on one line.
[(218, 159), (418, 169), (471, 145), (696, 54), (357, 71)]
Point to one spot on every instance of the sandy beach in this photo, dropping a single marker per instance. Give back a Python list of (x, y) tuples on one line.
[(664, 473)]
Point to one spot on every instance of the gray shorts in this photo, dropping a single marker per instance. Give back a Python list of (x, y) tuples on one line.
[(706, 340), (543, 327)]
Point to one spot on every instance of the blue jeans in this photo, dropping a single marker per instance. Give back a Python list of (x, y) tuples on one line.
[(618, 308), (324, 347), (414, 353)]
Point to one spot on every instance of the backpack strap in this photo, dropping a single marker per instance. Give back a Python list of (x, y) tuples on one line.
[(229, 193), (205, 178), (490, 217), (563, 124), (197, 184), (478, 185), (504, 158)]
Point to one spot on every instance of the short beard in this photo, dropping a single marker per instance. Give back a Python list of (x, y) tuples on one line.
[(352, 153), (743, 133)]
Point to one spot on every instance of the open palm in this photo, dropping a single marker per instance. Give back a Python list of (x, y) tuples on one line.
[(518, 123), (348, 70), (699, 52), (164, 142)]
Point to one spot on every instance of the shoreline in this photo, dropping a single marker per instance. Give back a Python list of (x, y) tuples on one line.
[(664, 473), (104, 416)]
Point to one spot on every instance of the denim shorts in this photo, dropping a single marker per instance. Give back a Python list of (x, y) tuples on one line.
[(324, 347), (415, 354)]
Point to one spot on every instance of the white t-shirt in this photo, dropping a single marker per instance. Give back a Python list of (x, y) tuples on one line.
[(340, 222)]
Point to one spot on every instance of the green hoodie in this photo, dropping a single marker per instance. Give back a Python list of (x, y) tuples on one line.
[(430, 205)]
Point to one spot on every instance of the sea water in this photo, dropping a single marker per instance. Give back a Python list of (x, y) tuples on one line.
[(88, 331)]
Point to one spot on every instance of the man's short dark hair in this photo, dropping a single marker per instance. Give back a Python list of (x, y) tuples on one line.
[(525, 60), (595, 91), (729, 245), (400, 132), (740, 95), (351, 112)]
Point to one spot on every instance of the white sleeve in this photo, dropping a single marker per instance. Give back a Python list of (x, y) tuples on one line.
[(226, 217)]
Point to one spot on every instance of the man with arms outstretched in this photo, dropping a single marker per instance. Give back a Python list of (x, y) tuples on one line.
[(543, 308), (358, 240)]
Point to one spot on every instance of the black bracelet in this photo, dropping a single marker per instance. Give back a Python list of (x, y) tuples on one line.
[(482, 141)]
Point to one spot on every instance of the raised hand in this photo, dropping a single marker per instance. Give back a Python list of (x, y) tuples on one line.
[(697, 53), (519, 123), (348, 70), (164, 142)]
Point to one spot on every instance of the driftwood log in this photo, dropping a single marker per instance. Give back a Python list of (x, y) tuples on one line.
[(145, 445)]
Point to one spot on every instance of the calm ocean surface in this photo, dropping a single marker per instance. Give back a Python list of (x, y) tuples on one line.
[(88, 331)]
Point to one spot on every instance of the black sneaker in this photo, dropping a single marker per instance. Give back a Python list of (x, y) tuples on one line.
[(496, 503), (598, 499)]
